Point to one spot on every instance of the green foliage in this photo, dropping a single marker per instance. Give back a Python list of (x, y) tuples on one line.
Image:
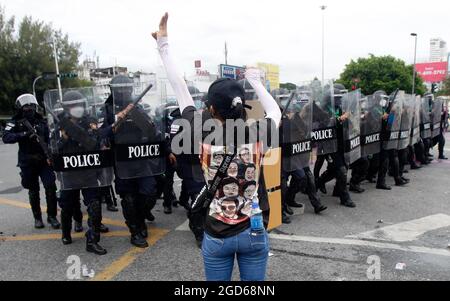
[(289, 86), (381, 73), (26, 52), (445, 91)]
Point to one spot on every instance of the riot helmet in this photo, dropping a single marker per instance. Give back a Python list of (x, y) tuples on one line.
[(75, 104), (122, 87), (27, 104)]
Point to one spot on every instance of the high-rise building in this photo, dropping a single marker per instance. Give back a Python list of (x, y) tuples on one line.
[(438, 50)]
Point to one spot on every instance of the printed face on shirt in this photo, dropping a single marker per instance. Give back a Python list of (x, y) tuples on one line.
[(229, 208), (245, 156), (212, 173), (233, 170), (231, 190), (218, 158), (249, 192), (250, 173)]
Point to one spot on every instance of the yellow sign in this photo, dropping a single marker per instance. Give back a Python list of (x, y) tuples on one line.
[(272, 74)]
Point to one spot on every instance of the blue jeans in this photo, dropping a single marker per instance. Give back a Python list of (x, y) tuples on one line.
[(251, 250)]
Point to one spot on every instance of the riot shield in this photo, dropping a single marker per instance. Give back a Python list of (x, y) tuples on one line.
[(436, 117), (415, 130), (391, 127), (425, 119), (371, 116), (296, 130), (81, 151), (407, 118), (324, 134), (139, 139), (352, 126)]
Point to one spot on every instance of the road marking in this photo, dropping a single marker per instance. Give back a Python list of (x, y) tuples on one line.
[(184, 227), (407, 231), (16, 204), (126, 260), (361, 243), (24, 205), (40, 237)]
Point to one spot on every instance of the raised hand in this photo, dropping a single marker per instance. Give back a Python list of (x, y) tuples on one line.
[(162, 28)]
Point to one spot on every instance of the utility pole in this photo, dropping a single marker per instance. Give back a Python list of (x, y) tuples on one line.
[(323, 8), (415, 60), (226, 53), (58, 79)]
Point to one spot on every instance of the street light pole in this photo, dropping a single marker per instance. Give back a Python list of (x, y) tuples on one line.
[(34, 84), (55, 53), (415, 60), (323, 7)]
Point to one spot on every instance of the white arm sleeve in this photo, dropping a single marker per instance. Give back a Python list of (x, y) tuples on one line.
[(176, 80), (268, 103)]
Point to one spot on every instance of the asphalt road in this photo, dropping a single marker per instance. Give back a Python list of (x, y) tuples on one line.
[(409, 225)]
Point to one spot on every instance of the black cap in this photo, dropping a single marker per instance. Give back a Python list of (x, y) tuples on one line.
[(224, 94)]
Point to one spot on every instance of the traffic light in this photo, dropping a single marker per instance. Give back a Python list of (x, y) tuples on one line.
[(68, 75), (434, 87)]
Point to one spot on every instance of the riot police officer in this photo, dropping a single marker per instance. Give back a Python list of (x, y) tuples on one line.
[(30, 131), (135, 177), (337, 167), (79, 164)]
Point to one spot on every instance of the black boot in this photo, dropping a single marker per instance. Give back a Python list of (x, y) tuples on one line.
[(94, 222), (92, 245), (66, 226), (288, 210), (129, 209), (54, 223), (52, 207), (35, 203), (356, 188), (320, 184), (383, 186), (104, 229), (400, 182), (348, 203), (285, 219), (319, 210), (78, 227)]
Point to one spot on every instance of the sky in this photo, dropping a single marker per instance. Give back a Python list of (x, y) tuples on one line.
[(283, 32)]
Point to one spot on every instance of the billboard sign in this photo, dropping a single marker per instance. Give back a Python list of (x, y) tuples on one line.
[(272, 74), (432, 72), (233, 72)]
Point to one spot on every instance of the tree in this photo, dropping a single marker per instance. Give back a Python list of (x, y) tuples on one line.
[(26, 53), (289, 86), (380, 73), (445, 91)]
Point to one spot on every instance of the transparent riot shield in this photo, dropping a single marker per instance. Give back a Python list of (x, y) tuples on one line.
[(391, 130), (407, 119), (436, 117), (324, 134), (352, 126), (371, 120), (81, 148), (425, 119), (296, 130), (139, 138), (415, 131)]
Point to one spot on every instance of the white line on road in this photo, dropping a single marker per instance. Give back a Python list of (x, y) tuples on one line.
[(362, 243), (407, 231)]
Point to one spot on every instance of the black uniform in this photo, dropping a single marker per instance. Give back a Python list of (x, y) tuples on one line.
[(33, 161)]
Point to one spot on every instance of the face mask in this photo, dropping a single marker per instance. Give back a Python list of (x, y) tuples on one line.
[(77, 112), (29, 114), (383, 103)]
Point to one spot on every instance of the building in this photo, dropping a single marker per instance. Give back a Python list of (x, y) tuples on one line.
[(438, 50)]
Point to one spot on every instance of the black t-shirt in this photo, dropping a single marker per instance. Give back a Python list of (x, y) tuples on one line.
[(230, 210)]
